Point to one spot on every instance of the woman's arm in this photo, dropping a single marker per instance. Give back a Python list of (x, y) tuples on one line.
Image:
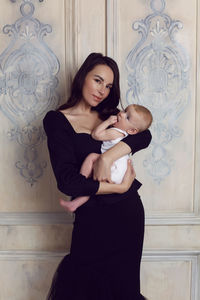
[(130, 144), (109, 188), (63, 160), (137, 141), (64, 163)]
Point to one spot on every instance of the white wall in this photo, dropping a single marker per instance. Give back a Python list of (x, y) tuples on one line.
[(160, 54)]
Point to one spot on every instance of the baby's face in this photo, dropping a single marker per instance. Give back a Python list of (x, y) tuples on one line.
[(128, 119)]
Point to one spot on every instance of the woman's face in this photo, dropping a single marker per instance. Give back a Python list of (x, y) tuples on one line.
[(97, 85)]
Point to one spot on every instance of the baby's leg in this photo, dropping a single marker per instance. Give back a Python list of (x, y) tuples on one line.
[(72, 205), (86, 170), (87, 165)]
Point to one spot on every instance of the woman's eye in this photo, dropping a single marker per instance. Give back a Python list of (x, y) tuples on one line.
[(98, 80)]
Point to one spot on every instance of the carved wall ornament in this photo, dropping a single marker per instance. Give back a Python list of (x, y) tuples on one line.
[(26, 0), (158, 71), (28, 82)]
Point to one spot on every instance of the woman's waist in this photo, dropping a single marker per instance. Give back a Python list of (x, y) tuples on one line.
[(99, 200)]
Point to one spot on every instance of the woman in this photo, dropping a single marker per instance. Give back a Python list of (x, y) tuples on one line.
[(107, 239)]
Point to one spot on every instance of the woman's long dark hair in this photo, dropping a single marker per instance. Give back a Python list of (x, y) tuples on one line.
[(109, 105)]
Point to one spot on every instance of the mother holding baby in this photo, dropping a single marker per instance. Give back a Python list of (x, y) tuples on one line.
[(107, 238)]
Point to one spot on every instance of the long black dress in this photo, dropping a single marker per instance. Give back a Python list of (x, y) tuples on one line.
[(107, 239)]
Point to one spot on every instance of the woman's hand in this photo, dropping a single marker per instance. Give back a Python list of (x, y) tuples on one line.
[(102, 169), (102, 166), (128, 177), (109, 188)]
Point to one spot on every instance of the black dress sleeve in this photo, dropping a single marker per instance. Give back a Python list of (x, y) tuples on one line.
[(138, 141), (63, 160)]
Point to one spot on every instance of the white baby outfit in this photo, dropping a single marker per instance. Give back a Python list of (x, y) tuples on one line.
[(119, 166)]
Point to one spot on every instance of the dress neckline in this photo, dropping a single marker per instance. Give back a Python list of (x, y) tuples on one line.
[(66, 119)]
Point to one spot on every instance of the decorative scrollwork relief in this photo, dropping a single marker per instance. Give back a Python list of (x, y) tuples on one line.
[(28, 83), (158, 70), (26, 0)]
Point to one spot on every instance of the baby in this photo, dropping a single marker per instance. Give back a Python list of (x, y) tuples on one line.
[(135, 118)]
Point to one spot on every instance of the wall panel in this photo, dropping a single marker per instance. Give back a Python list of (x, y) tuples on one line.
[(170, 275), (92, 40), (29, 275), (34, 91), (161, 165)]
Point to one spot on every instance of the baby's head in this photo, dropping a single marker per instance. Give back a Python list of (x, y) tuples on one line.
[(135, 118)]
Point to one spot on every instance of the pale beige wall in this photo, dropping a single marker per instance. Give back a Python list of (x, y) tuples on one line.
[(34, 232)]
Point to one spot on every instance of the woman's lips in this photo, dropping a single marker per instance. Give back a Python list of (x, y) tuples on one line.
[(97, 98)]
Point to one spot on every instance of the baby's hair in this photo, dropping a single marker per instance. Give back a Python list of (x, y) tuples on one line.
[(146, 115)]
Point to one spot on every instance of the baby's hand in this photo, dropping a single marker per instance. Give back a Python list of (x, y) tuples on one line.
[(112, 120)]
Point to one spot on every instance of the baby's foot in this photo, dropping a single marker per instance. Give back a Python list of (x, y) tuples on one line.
[(68, 205)]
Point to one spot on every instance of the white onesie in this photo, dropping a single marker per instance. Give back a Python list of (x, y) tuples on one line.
[(119, 166)]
